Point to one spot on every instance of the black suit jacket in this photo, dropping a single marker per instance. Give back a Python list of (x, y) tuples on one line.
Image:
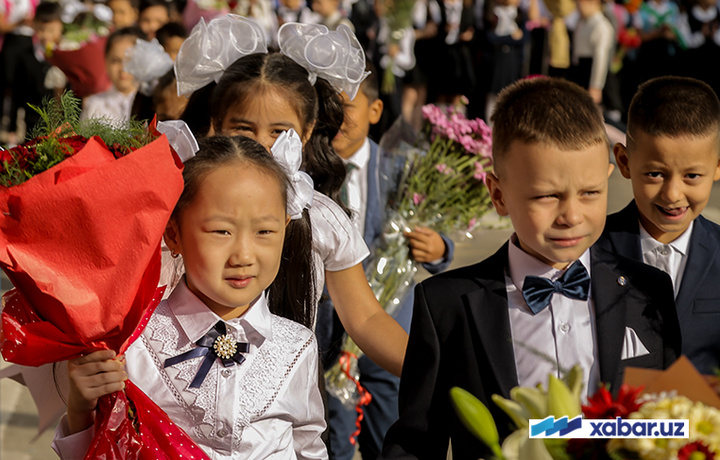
[(698, 300), (460, 336)]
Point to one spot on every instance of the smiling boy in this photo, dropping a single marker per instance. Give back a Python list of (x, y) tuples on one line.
[(548, 299), (672, 158)]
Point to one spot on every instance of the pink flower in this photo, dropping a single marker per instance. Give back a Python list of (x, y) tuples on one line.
[(480, 173), (472, 223), (417, 198), (486, 151), (442, 167)]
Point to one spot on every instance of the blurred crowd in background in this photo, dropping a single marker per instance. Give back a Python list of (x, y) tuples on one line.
[(428, 51)]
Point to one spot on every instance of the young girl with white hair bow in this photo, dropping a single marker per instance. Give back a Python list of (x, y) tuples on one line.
[(239, 380), (241, 89)]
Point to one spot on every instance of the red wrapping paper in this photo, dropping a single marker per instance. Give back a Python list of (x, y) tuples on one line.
[(84, 67), (156, 437), (80, 242)]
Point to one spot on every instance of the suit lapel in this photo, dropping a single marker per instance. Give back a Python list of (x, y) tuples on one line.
[(702, 251), (373, 214), (624, 232), (610, 302), (488, 308)]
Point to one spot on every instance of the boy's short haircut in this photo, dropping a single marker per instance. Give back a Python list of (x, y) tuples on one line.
[(131, 31), (370, 86), (169, 30), (48, 11), (674, 106), (549, 111)]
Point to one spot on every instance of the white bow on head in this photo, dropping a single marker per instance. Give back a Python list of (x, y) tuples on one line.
[(211, 48), (179, 137), (287, 151), (147, 61), (333, 55)]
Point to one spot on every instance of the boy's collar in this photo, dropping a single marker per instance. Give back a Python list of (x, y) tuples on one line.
[(522, 264), (680, 244), (361, 157)]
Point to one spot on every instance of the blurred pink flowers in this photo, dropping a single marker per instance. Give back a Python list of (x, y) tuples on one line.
[(474, 135)]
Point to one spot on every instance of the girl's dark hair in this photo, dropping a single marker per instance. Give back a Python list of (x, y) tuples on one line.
[(197, 110), (125, 32), (169, 30), (318, 106), (145, 4), (291, 293)]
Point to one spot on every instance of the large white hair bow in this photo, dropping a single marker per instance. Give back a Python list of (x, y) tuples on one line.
[(287, 151), (212, 47), (147, 62), (333, 55)]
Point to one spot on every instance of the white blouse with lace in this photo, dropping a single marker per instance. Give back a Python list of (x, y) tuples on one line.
[(267, 407)]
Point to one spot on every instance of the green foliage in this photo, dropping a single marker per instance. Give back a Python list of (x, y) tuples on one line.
[(399, 16), (124, 137), (60, 132), (58, 116)]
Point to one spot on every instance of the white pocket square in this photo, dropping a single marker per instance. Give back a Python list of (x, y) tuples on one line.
[(632, 346)]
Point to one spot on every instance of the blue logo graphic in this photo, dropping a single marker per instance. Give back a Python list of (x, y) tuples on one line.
[(551, 426)]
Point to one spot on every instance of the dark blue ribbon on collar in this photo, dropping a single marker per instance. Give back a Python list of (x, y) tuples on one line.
[(206, 348)]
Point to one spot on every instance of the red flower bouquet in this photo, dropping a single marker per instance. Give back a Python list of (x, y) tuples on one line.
[(84, 67), (80, 231), (81, 54)]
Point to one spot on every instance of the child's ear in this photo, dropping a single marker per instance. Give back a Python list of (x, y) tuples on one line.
[(375, 111), (172, 236), (622, 159), (496, 195)]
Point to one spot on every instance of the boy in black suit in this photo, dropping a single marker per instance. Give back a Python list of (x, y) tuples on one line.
[(546, 300), (672, 159)]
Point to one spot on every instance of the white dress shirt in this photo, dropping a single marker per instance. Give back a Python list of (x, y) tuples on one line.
[(670, 258), (594, 37), (267, 407), (356, 184), (557, 338), (111, 104)]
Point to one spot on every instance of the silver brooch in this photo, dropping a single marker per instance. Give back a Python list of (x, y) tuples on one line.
[(225, 347), (622, 281)]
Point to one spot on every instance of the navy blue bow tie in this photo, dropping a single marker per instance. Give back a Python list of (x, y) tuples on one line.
[(537, 291), (215, 344)]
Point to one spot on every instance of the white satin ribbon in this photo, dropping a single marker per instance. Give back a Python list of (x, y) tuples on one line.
[(287, 151)]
